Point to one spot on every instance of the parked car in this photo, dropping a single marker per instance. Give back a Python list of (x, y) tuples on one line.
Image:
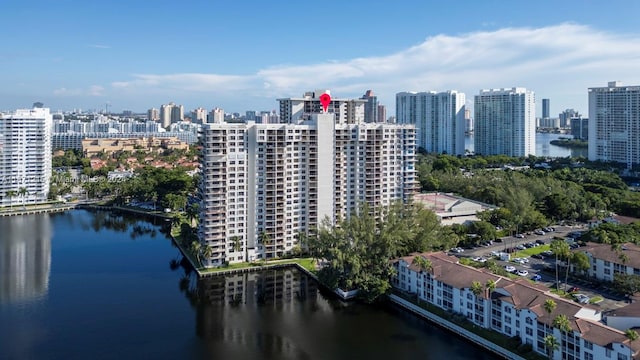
[(522, 272), (536, 277), (581, 298), (538, 256), (574, 289), (519, 236), (540, 242), (539, 232), (521, 247), (509, 268)]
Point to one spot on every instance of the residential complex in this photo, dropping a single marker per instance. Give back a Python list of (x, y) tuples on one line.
[(439, 119), (514, 308), (505, 122), (346, 111), (605, 262), (263, 185), (171, 113), (614, 126), (109, 146), (25, 156)]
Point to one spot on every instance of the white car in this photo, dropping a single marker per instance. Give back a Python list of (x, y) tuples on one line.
[(581, 298), (509, 268), (518, 261), (522, 272)]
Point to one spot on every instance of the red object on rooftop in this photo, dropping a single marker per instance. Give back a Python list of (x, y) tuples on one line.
[(325, 99)]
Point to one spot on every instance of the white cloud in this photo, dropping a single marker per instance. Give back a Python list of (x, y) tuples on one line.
[(99, 46), (93, 90), (557, 62)]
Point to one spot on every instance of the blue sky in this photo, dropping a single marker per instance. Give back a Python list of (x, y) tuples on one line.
[(242, 55)]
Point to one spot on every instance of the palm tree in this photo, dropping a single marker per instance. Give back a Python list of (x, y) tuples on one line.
[(193, 211), (22, 192), (560, 249), (551, 344), (562, 323), (632, 334), (422, 263), (265, 240), (10, 194), (237, 243), (476, 288), (207, 252), (490, 286), (195, 250), (549, 306)]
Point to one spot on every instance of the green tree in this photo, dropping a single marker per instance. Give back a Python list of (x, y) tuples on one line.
[(10, 194), (476, 288), (631, 334), (195, 250), (551, 344), (207, 252), (581, 262), (549, 306), (490, 286), (561, 250), (23, 192), (193, 212), (422, 263), (236, 243)]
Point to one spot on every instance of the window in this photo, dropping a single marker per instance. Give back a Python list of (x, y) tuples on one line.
[(622, 357), (588, 345), (587, 356), (608, 352)]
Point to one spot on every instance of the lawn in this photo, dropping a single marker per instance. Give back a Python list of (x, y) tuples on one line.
[(307, 263), (531, 251)]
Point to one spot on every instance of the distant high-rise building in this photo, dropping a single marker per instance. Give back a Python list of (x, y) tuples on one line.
[(251, 115), (505, 122), (580, 128), (565, 117), (347, 111), (468, 121), (438, 118), (614, 123), (370, 107), (545, 108), (216, 116), (171, 113), (153, 114), (382, 114), (265, 184), (25, 156), (199, 116)]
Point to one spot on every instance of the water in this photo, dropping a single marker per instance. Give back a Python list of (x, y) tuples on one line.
[(83, 285), (543, 146)]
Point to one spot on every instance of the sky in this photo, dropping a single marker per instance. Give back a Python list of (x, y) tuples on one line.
[(243, 55)]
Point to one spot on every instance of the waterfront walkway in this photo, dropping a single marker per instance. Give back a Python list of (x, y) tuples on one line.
[(36, 209), (456, 329)]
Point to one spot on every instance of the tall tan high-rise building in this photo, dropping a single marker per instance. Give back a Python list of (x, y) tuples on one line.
[(265, 184)]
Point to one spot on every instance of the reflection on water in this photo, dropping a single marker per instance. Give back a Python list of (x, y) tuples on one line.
[(543, 146), (25, 258), (227, 307), (281, 314)]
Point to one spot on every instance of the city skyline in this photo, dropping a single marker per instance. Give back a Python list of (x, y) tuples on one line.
[(136, 57)]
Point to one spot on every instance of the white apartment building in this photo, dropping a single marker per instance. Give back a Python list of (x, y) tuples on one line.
[(25, 156), (216, 116), (614, 123), (505, 122), (199, 116), (346, 111), (512, 308), (171, 113), (439, 118), (265, 184), (605, 262)]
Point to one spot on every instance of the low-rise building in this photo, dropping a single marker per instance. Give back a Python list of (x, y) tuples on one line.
[(451, 209), (606, 261), (514, 308)]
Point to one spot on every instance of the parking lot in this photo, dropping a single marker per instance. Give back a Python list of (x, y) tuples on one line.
[(543, 269)]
